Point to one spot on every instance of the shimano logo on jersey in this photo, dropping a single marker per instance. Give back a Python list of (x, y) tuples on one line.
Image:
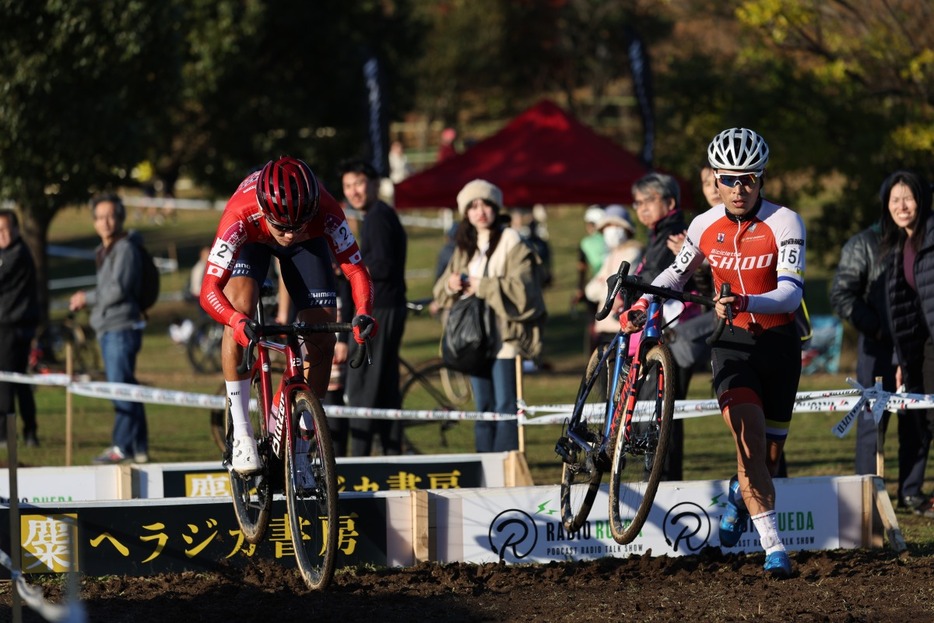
[(730, 261)]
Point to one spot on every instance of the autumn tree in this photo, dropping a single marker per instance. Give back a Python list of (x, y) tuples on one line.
[(84, 88)]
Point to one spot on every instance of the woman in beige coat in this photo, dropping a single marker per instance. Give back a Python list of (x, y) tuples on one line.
[(492, 262)]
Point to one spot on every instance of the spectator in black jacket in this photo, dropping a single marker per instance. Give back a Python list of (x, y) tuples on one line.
[(908, 255), (383, 244), (19, 312), (657, 203), (858, 296)]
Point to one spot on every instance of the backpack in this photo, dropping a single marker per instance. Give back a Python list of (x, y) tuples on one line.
[(149, 283)]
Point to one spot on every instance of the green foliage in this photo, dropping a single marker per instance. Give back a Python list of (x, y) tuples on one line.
[(872, 75), (83, 87)]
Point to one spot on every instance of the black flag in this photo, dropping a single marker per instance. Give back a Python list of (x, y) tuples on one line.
[(642, 83), (377, 114)]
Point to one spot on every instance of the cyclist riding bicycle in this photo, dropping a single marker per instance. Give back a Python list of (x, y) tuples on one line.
[(280, 210), (757, 247)]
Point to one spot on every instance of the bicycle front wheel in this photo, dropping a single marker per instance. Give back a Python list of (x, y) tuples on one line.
[(252, 494), (642, 446), (583, 469), (311, 493)]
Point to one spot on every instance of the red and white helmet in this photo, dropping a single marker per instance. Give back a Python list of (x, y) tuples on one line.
[(738, 149), (287, 192)]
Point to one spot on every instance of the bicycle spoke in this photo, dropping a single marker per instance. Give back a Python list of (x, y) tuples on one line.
[(641, 449), (311, 494)]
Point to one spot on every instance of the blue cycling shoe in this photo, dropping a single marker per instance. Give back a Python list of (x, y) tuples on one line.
[(735, 516), (778, 565)]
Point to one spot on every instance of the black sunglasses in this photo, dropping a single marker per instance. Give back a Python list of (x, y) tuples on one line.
[(285, 229), (745, 179)]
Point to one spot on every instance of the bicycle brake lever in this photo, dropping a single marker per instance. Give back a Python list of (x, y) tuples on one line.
[(246, 362), (362, 353)]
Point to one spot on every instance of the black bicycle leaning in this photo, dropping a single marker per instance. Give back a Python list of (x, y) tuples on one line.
[(610, 428), (431, 384)]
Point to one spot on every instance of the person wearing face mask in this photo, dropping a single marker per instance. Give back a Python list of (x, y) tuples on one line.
[(618, 235)]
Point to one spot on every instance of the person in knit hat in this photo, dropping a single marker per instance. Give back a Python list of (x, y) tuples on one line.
[(492, 262)]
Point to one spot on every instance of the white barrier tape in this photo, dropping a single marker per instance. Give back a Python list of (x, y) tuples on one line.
[(420, 414), (61, 380), (881, 401), (804, 402), (70, 612), (852, 400), (153, 395)]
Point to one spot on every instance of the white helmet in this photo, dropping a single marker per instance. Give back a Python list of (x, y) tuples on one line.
[(738, 149)]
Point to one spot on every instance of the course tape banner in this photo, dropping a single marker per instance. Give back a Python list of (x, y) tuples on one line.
[(854, 401)]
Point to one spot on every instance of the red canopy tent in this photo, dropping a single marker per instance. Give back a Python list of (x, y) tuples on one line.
[(542, 156)]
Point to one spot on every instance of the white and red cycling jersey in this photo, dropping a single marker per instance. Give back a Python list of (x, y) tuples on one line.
[(243, 222), (761, 256)]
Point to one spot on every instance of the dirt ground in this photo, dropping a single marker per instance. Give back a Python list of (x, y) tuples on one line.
[(844, 586)]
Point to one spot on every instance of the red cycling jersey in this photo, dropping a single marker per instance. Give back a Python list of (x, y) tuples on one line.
[(761, 255), (243, 222)]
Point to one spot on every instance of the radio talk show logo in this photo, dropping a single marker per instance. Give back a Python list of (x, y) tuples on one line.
[(513, 532), (686, 527)]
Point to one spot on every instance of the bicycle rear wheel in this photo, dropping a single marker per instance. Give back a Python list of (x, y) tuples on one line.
[(204, 346), (311, 493), (640, 453), (583, 470), (252, 494), (434, 386)]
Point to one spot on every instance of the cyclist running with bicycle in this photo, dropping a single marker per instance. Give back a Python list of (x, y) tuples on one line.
[(280, 210), (757, 247)]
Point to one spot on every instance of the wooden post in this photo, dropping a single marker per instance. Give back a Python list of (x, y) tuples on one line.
[(69, 371), (519, 396)]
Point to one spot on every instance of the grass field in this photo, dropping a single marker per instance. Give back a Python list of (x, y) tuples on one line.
[(182, 434)]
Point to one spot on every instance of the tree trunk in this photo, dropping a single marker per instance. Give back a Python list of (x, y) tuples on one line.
[(35, 232)]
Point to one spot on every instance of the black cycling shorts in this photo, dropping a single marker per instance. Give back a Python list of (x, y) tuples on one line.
[(763, 370), (306, 270)]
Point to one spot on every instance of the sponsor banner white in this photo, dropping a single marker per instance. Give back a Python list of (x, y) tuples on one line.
[(523, 524), (55, 485)]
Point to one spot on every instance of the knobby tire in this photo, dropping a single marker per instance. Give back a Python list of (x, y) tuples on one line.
[(252, 495), (311, 494), (639, 458)]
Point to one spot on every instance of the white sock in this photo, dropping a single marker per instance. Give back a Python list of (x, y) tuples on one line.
[(238, 396), (767, 526)]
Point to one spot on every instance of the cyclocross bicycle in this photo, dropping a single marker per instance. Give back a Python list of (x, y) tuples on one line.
[(610, 429), (297, 460)]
